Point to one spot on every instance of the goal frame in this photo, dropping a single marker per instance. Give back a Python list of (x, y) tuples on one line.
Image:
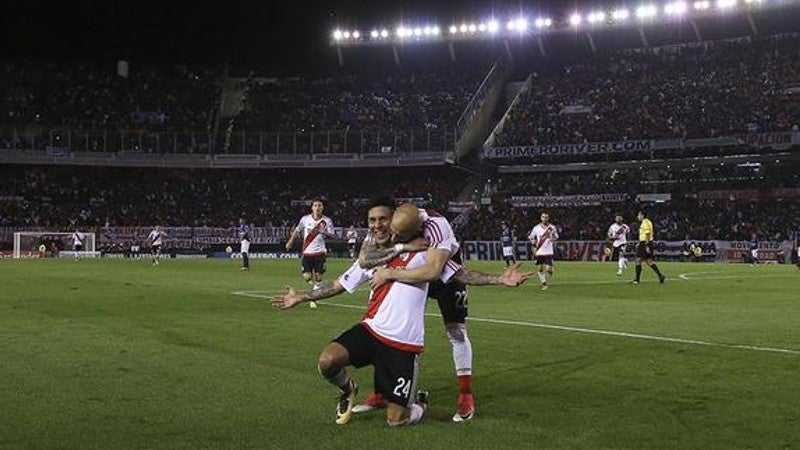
[(89, 250)]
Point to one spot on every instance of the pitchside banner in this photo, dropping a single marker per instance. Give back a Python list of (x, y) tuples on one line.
[(584, 250), (720, 251)]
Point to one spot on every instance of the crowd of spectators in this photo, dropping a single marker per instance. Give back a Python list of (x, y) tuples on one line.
[(57, 197), (387, 103), (98, 96), (687, 213), (689, 91)]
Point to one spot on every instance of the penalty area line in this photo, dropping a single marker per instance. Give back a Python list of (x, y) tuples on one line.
[(622, 334)]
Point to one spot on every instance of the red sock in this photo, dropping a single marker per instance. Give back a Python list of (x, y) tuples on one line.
[(465, 384)]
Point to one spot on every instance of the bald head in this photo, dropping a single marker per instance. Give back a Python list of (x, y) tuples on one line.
[(406, 222)]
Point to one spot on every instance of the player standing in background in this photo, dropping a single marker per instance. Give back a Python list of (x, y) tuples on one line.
[(77, 241), (644, 249), (243, 230), (352, 238), (154, 241), (315, 228), (542, 236), (618, 234), (753, 249), (507, 242)]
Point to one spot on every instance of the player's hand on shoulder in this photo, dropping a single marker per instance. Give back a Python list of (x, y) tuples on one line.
[(379, 278), (289, 299)]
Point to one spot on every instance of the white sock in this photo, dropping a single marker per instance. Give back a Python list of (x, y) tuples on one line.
[(542, 277), (462, 348), (415, 413), (621, 263)]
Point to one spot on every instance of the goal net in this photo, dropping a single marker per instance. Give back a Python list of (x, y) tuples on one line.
[(41, 244)]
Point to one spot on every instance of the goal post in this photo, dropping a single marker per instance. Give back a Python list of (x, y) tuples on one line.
[(27, 244)]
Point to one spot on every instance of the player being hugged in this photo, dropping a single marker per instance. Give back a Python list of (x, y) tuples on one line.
[(618, 235), (542, 237)]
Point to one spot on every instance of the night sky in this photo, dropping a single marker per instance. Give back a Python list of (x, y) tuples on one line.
[(266, 33)]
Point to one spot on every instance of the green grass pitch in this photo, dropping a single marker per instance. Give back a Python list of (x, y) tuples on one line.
[(118, 354)]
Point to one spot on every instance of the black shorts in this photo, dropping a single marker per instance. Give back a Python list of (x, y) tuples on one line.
[(78, 247), (155, 249), (453, 300), (616, 252), (314, 264), (546, 260), (396, 371), (644, 250)]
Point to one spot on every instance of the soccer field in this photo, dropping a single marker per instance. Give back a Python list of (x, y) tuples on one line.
[(119, 354)]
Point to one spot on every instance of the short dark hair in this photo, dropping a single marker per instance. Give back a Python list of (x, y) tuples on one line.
[(384, 201), (643, 212)]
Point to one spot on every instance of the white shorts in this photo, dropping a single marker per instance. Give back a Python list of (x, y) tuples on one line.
[(245, 246), (508, 251), (754, 254)]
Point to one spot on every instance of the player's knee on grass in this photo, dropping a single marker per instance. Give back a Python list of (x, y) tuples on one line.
[(307, 276)]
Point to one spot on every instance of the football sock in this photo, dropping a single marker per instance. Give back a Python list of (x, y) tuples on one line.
[(638, 272), (655, 269), (462, 353), (246, 259), (338, 378), (542, 277), (621, 263)]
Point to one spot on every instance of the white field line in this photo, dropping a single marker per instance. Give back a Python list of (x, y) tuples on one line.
[(648, 337)]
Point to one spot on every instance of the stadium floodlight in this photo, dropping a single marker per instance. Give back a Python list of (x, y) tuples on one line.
[(725, 4), (453, 29), (346, 35), (493, 26), (356, 34), (417, 32), (384, 33), (646, 11), (435, 31), (472, 28), (463, 28), (426, 31), (575, 20), (675, 9), (337, 35), (702, 5), (482, 27), (750, 2), (620, 14), (543, 22), (596, 17), (374, 34)]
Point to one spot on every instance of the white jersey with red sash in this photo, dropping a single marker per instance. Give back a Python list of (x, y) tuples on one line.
[(396, 311), (313, 240), (543, 236), (440, 235)]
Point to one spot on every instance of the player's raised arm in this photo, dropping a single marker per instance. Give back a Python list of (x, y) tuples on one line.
[(293, 297), (512, 277)]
